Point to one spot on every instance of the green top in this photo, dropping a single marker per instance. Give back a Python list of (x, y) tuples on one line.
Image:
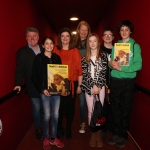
[(82, 49), (134, 65)]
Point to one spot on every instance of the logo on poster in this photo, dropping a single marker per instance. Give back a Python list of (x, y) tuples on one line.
[(1, 128)]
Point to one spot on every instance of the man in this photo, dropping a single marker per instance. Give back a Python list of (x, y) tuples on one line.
[(122, 85), (25, 58), (107, 36)]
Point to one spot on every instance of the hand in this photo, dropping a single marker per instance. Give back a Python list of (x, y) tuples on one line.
[(79, 90), (95, 90), (46, 93), (115, 65), (18, 88)]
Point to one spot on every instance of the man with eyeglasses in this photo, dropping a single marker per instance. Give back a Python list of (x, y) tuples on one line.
[(107, 36), (25, 58)]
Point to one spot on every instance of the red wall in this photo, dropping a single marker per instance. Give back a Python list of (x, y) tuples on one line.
[(137, 12), (15, 114), (15, 18)]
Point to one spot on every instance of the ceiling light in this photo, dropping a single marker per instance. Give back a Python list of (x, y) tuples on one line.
[(74, 32), (74, 18)]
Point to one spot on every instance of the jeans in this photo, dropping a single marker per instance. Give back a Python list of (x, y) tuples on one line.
[(37, 111), (50, 105), (82, 101)]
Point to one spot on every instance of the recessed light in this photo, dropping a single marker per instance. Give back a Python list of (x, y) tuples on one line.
[(74, 32), (74, 18)]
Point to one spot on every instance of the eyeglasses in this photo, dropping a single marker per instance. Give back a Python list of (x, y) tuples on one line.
[(107, 35)]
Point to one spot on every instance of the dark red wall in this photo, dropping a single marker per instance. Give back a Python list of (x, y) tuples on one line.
[(15, 18), (15, 114), (137, 12)]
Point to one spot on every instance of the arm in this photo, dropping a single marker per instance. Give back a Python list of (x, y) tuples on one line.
[(20, 69)]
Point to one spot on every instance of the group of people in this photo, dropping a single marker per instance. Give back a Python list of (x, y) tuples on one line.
[(91, 68)]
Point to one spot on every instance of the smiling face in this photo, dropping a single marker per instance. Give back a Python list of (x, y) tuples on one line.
[(125, 33), (108, 37), (32, 38), (65, 38), (48, 45), (83, 32), (93, 43)]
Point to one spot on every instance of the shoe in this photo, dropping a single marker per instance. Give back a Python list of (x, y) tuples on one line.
[(83, 127), (99, 142), (39, 134), (93, 139), (57, 143), (46, 144), (68, 134), (121, 143), (113, 140)]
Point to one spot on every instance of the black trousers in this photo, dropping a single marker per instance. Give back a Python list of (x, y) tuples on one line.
[(121, 99), (67, 107)]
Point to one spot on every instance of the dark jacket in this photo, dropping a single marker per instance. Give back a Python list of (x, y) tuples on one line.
[(39, 72), (25, 58)]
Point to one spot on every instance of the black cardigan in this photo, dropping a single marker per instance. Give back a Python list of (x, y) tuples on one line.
[(39, 71)]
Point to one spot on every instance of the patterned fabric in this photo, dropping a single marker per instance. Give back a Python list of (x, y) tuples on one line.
[(100, 67)]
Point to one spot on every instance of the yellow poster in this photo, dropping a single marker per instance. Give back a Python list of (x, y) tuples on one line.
[(121, 53), (58, 83)]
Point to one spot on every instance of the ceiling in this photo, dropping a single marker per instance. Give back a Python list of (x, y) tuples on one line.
[(58, 12)]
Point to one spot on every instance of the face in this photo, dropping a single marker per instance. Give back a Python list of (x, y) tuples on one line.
[(48, 45), (107, 37), (125, 33), (57, 81), (65, 38), (83, 32), (32, 38), (93, 42)]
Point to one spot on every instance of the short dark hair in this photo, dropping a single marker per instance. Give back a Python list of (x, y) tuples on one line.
[(108, 29), (47, 37), (59, 46), (126, 23), (31, 29)]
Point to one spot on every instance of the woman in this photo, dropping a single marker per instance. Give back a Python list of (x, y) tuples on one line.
[(94, 66), (70, 56), (40, 79), (83, 30)]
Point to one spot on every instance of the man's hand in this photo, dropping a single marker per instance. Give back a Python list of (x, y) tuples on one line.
[(18, 88)]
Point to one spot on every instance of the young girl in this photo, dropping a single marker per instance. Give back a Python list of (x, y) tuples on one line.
[(94, 65), (40, 79)]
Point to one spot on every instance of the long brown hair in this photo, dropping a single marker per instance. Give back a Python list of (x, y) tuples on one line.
[(59, 46), (77, 40), (88, 49)]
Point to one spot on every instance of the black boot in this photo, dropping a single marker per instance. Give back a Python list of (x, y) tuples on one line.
[(60, 129), (69, 117)]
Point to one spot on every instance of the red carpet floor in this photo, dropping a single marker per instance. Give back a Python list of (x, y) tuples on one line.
[(78, 141)]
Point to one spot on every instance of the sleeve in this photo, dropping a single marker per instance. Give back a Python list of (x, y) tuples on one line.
[(20, 67), (36, 74), (135, 61), (102, 74)]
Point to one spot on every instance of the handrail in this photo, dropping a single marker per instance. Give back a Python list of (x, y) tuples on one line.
[(10, 95), (14, 93), (142, 89)]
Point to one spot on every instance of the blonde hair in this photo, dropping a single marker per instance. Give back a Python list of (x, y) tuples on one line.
[(77, 39)]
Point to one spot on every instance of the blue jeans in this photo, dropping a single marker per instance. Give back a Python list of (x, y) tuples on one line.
[(50, 105), (37, 111), (82, 100)]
